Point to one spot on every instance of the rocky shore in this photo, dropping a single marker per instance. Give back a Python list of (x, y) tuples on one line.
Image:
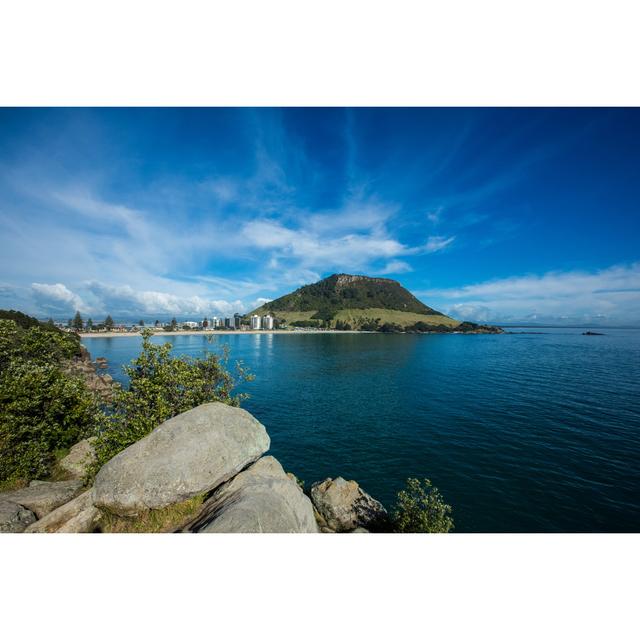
[(208, 466)]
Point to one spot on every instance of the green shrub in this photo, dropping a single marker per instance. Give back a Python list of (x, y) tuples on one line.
[(160, 387), (421, 509), (42, 410)]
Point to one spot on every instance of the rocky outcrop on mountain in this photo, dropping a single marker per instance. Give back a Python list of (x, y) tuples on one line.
[(188, 455), (43, 497), (260, 499), (79, 458), (343, 506), (14, 518)]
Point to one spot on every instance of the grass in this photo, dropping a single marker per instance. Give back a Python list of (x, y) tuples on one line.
[(155, 521), (355, 317), (12, 484), (403, 318)]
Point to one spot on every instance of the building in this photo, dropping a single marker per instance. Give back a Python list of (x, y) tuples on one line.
[(228, 323), (190, 324), (267, 322), (256, 322), (237, 320)]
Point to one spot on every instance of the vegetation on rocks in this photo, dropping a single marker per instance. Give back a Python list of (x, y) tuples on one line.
[(161, 387), (42, 409), (421, 509)]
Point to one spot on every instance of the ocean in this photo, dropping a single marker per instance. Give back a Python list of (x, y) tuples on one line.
[(521, 432)]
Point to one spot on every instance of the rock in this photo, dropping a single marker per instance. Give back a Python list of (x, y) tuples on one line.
[(345, 506), (79, 458), (14, 518), (261, 499), (43, 497), (78, 511), (185, 456), (86, 521)]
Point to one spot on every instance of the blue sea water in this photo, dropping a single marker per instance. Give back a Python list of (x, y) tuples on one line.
[(521, 432)]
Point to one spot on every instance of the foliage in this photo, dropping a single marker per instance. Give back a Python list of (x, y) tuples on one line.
[(77, 322), (42, 409), (108, 323), (160, 387), (369, 324), (342, 326), (390, 327), (306, 323), (421, 509)]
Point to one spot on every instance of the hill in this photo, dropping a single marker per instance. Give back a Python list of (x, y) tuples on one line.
[(355, 302)]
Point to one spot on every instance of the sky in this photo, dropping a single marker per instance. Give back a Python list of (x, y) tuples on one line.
[(492, 215)]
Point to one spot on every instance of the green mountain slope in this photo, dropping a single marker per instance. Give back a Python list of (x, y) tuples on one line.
[(349, 301)]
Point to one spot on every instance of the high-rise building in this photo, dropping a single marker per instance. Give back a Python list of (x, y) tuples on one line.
[(267, 322), (228, 323), (256, 322), (237, 318)]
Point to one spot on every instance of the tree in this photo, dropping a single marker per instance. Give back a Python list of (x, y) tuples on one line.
[(174, 324), (205, 323), (421, 509), (77, 322), (160, 387), (108, 323), (90, 324)]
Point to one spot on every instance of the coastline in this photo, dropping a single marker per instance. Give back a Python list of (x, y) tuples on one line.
[(117, 334)]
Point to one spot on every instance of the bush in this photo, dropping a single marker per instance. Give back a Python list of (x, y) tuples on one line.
[(161, 387), (421, 509), (42, 410)]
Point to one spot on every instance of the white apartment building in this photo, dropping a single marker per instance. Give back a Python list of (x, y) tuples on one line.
[(256, 322), (267, 322)]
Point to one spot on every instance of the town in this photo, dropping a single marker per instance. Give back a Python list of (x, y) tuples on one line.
[(237, 322)]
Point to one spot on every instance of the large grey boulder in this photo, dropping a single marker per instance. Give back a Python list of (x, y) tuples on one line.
[(43, 497), (261, 499), (79, 515), (185, 456), (14, 518), (80, 456), (344, 506)]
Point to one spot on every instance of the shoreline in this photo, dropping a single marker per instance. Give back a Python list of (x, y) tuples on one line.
[(117, 334)]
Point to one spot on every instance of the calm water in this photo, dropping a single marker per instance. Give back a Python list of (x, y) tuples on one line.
[(520, 432)]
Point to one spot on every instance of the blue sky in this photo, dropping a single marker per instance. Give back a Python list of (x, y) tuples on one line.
[(498, 215)]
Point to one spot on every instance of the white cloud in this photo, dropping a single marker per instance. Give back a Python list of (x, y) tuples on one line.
[(56, 298), (395, 266), (125, 301), (438, 243), (606, 296)]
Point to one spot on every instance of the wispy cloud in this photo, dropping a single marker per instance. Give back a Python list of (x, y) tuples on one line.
[(438, 243), (608, 295)]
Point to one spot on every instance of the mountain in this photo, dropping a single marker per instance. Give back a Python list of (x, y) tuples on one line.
[(356, 302)]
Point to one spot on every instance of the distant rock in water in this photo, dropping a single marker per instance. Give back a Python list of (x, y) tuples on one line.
[(592, 333)]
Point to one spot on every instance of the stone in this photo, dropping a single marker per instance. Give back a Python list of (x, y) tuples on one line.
[(14, 518), (344, 506), (87, 521), (67, 513), (188, 455), (79, 458), (261, 499), (43, 497)]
